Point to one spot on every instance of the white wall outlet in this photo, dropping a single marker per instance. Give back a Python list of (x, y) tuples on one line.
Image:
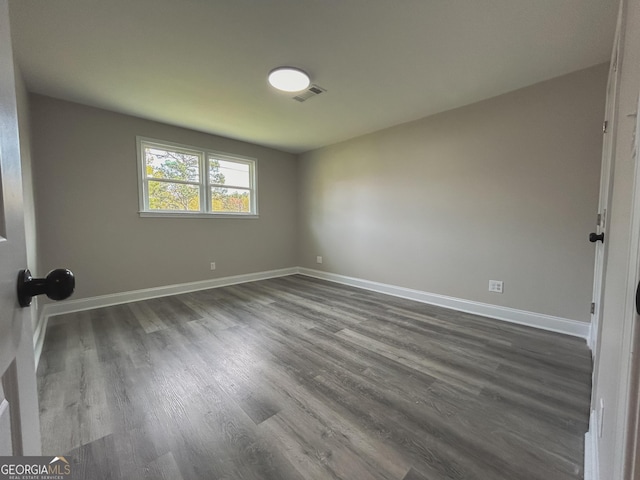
[(495, 286), (318, 259), (213, 265)]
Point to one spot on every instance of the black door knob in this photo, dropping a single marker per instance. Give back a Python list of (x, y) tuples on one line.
[(57, 285), (594, 237)]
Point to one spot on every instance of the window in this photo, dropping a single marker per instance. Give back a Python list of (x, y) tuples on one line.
[(178, 180)]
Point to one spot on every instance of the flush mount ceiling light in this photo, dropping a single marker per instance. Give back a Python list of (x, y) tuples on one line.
[(289, 79)]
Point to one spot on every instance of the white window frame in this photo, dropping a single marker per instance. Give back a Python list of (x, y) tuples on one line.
[(204, 185)]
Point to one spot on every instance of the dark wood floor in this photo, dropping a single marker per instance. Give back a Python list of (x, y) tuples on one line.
[(296, 378)]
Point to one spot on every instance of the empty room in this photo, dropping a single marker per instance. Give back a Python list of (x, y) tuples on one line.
[(303, 239)]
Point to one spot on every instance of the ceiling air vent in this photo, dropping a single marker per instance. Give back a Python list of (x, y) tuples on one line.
[(312, 91)]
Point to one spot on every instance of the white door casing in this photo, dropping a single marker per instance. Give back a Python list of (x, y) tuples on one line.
[(606, 178), (632, 455)]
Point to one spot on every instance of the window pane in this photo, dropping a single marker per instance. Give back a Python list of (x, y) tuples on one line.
[(229, 173), (171, 165), (230, 200), (173, 196)]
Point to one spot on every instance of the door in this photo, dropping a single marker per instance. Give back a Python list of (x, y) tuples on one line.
[(632, 454), (19, 429), (599, 237)]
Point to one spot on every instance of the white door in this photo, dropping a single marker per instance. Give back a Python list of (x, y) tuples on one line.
[(19, 430), (632, 455), (605, 194)]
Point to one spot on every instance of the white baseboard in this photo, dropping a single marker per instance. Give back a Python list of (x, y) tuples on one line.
[(591, 463), (521, 317), (70, 306)]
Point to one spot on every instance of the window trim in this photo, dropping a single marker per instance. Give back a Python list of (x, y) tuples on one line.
[(204, 185)]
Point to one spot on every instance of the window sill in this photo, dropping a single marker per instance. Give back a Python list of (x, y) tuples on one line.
[(197, 215)]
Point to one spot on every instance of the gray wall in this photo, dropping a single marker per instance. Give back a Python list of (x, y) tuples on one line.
[(504, 189), (85, 178)]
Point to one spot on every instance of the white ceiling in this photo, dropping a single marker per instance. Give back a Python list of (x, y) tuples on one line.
[(203, 64)]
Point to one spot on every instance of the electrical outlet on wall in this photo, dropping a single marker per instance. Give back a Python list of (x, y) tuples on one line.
[(213, 265), (495, 286), (318, 259)]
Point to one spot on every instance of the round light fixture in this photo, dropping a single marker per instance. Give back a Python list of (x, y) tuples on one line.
[(289, 79)]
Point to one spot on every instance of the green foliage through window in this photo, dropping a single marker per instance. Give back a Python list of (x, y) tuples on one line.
[(175, 179)]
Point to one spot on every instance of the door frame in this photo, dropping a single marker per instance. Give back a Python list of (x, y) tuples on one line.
[(630, 388), (606, 190)]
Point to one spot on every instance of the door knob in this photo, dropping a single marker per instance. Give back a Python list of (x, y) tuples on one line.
[(57, 285), (593, 237)]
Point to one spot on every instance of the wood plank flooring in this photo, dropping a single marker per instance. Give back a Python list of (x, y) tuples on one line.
[(297, 378)]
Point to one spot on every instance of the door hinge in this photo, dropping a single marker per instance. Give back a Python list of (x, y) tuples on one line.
[(605, 126), (593, 308)]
